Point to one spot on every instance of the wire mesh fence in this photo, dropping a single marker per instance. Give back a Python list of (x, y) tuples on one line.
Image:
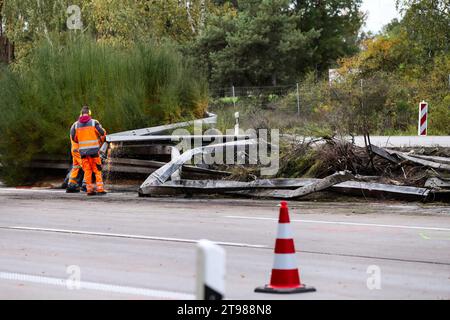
[(378, 105), (300, 99)]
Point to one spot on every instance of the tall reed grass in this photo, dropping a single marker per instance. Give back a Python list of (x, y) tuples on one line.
[(126, 88)]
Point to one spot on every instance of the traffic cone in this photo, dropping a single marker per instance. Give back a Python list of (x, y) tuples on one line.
[(285, 276)]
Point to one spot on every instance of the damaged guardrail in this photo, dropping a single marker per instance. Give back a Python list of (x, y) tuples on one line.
[(257, 188), (161, 175), (210, 119), (384, 177)]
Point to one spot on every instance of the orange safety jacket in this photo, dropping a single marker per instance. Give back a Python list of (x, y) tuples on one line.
[(75, 153), (74, 148), (89, 135)]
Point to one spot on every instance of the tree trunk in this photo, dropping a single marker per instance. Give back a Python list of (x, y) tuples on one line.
[(274, 79), (6, 47), (190, 20), (202, 15)]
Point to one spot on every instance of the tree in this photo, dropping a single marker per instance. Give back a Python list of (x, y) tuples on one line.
[(119, 22), (181, 20), (338, 21), (409, 62), (27, 21), (6, 47), (260, 44), (427, 22), (265, 42)]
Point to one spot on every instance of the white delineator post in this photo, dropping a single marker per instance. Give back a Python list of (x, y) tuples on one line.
[(423, 119), (234, 97), (210, 271), (236, 126)]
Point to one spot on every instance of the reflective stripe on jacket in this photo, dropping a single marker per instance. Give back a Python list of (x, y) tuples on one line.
[(89, 136)]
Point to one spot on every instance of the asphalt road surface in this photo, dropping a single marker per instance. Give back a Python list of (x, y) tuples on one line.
[(125, 247)]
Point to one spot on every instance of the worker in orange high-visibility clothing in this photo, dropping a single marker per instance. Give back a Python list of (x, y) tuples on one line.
[(89, 135), (73, 184)]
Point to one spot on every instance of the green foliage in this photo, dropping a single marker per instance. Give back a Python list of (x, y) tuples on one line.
[(126, 88), (408, 63), (256, 42), (440, 117), (426, 23), (272, 42), (338, 21), (298, 161), (378, 103), (26, 21), (112, 21)]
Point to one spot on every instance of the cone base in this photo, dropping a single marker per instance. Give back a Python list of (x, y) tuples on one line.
[(268, 289)]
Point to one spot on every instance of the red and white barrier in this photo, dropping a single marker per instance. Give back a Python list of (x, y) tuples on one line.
[(423, 119)]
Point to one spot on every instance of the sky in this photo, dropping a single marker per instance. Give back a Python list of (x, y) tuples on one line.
[(380, 13)]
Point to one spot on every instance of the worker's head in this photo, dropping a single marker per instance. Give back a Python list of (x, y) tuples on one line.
[(85, 111)]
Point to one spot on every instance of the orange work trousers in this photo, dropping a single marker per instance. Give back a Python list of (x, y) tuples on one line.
[(76, 166), (92, 165)]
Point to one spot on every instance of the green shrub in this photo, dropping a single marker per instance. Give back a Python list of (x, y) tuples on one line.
[(440, 117), (126, 88)]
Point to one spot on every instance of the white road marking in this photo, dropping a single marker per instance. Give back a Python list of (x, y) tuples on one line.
[(160, 294), (130, 236), (347, 223)]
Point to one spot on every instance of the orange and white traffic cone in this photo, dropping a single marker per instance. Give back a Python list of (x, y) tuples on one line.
[(285, 276)]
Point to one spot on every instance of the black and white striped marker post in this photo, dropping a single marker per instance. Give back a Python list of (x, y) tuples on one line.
[(210, 271)]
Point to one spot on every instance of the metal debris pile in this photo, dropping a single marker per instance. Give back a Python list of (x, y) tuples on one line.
[(336, 165), (319, 166), (402, 166)]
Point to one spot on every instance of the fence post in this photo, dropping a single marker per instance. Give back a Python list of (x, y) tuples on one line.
[(298, 101)]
